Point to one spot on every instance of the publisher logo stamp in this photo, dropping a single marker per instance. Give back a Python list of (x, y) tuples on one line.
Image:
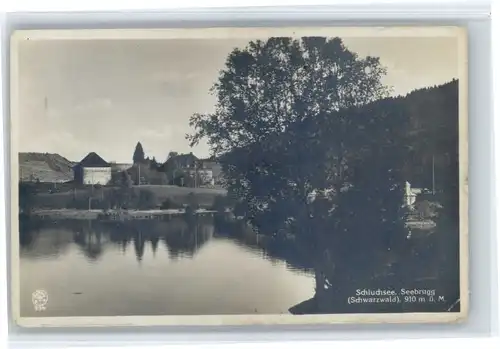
[(40, 299)]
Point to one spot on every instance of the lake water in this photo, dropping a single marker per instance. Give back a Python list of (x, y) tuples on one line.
[(154, 268)]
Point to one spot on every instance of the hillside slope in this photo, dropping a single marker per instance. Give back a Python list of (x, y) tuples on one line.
[(45, 167)]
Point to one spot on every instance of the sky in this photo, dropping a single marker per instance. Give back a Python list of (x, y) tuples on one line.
[(79, 96)]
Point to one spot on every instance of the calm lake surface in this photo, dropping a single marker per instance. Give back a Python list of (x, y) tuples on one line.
[(154, 268)]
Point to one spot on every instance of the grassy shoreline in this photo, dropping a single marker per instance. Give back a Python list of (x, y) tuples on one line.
[(154, 196), (95, 214)]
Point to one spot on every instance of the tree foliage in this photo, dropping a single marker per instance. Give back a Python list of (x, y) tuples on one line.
[(147, 174), (153, 164), (432, 141), (278, 126), (276, 95), (138, 156), (26, 197), (172, 154), (268, 86)]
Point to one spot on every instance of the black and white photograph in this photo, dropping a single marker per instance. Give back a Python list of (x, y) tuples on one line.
[(239, 176)]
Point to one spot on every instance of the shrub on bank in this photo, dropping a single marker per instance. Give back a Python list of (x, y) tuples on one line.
[(221, 203), (192, 201), (146, 200), (169, 204), (107, 197)]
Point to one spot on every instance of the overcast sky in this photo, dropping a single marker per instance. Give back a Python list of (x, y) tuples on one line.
[(104, 96)]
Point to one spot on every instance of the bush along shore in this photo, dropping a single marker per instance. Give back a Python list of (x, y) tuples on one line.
[(119, 203), (117, 214), (31, 197)]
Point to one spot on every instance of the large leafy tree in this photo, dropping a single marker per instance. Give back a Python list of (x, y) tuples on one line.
[(275, 95), (268, 86)]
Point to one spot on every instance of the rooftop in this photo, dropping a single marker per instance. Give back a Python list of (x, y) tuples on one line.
[(93, 160)]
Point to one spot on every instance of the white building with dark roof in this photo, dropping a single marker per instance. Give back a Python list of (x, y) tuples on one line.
[(92, 170)]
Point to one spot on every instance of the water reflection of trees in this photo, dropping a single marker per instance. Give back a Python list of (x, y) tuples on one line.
[(47, 240), (275, 250), (89, 243), (181, 237), (28, 233)]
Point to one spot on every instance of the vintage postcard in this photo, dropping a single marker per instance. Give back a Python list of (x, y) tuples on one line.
[(236, 176)]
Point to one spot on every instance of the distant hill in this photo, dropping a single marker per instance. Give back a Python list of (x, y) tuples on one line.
[(45, 167)]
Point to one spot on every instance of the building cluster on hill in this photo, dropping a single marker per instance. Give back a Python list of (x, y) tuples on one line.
[(179, 169)]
